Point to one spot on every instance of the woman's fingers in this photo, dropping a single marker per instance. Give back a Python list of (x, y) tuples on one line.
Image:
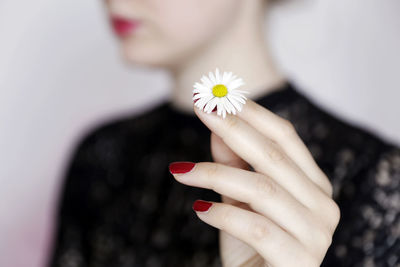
[(221, 153), (262, 194), (268, 239), (264, 155), (282, 132)]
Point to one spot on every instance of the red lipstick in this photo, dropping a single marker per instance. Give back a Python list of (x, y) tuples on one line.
[(124, 26)]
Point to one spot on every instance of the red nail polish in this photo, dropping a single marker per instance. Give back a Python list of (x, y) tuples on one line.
[(195, 99), (215, 109), (201, 205), (181, 167)]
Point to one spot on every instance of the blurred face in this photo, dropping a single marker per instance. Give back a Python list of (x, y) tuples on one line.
[(165, 33)]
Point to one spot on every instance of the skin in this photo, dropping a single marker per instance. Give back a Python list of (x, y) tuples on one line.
[(188, 38), (280, 214)]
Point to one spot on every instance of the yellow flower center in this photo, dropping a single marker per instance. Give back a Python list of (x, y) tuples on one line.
[(220, 90)]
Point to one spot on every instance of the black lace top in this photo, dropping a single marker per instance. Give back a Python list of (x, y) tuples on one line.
[(120, 206)]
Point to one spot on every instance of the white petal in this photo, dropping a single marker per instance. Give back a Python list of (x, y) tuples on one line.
[(231, 107), (212, 78), (228, 107), (208, 104), (218, 78), (224, 78), (211, 105), (235, 84), (200, 95), (201, 91), (206, 81), (199, 86), (224, 100), (238, 98), (197, 96), (219, 108), (227, 78), (207, 98), (235, 103), (199, 106), (203, 101), (238, 94), (241, 91)]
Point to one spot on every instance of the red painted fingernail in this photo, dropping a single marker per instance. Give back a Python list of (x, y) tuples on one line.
[(195, 99), (201, 205), (215, 109), (181, 167)]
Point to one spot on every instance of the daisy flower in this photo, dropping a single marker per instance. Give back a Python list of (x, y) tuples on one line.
[(220, 92)]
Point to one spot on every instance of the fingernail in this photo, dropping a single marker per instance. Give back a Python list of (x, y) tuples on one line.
[(181, 167), (201, 205), (215, 109), (195, 99)]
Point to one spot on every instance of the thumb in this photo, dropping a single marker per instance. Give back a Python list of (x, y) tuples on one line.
[(221, 153)]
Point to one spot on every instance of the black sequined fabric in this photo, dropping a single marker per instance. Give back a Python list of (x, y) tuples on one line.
[(120, 206)]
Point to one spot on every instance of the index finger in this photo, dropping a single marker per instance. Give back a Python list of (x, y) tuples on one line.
[(265, 156), (284, 134), (281, 132)]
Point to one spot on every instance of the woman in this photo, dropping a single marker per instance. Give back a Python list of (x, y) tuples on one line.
[(270, 200)]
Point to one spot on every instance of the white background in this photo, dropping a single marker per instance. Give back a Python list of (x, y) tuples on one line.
[(61, 73)]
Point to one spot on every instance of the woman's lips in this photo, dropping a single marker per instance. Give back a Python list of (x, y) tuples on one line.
[(124, 26)]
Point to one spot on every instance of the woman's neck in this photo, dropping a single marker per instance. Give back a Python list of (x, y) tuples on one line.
[(243, 52)]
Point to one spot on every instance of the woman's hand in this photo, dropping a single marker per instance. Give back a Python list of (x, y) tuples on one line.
[(280, 214)]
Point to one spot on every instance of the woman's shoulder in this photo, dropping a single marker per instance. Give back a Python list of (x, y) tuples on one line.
[(116, 134), (315, 123), (342, 148), (346, 151)]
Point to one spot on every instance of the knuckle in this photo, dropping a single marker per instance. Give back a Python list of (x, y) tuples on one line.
[(273, 152), (332, 212), (226, 217), (306, 259), (232, 123), (325, 238), (286, 128), (265, 187), (329, 189), (212, 170), (321, 239), (329, 215), (311, 261), (259, 231), (335, 212), (326, 185)]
